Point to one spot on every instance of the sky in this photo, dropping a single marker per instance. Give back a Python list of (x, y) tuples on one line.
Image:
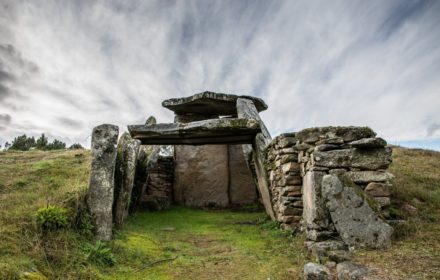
[(67, 66)]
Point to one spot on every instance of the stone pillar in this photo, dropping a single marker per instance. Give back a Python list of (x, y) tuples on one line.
[(101, 185), (246, 109), (124, 176)]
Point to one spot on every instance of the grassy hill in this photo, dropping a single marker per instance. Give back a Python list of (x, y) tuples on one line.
[(191, 244)]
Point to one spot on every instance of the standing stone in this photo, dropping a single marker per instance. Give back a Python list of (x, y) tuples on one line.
[(314, 214), (124, 177), (247, 109), (242, 189), (357, 224), (201, 175), (101, 185)]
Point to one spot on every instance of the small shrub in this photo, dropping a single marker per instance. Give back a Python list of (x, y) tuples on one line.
[(83, 222), (99, 254), (272, 225), (52, 217)]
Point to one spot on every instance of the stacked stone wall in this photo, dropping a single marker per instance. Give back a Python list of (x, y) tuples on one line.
[(298, 162), (285, 180), (158, 193)]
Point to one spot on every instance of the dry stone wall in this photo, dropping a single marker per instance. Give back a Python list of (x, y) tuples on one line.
[(158, 191), (285, 180), (333, 180)]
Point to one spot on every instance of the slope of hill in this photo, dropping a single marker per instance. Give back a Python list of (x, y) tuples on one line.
[(193, 244)]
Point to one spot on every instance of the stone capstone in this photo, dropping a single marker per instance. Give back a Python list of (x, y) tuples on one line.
[(355, 221), (313, 271), (211, 103), (212, 131), (101, 185)]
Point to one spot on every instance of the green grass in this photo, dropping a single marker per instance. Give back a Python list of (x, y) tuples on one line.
[(416, 248), (205, 244), (193, 244)]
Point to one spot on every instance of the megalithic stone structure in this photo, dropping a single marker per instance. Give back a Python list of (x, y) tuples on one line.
[(128, 150), (101, 184), (246, 109)]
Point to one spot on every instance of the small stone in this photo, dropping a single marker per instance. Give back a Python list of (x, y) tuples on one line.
[(290, 219), (339, 255), (298, 203), (377, 189), (369, 176), (319, 235), (330, 265), (303, 146), (151, 120), (326, 147), (286, 142), (313, 271), (290, 180), (168, 229), (382, 201), (334, 140), (290, 166), (325, 246), (338, 171), (350, 271), (287, 189), (368, 143), (290, 211), (410, 209)]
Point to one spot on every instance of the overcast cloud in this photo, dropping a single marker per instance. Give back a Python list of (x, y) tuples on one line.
[(67, 66)]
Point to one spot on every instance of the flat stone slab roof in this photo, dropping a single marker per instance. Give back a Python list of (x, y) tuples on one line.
[(210, 103), (213, 131)]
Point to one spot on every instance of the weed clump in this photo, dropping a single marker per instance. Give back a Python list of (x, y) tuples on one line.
[(52, 217), (99, 254)]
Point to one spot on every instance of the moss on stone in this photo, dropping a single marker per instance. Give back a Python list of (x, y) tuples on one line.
[(346, 180)]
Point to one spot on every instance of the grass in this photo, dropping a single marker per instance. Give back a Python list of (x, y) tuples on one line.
[(416, 249), (206, 244), (186, 243)]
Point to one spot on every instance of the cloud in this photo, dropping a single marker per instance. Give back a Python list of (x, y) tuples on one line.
[(5, 120), (315, 63), (432, 129), (71, 123)]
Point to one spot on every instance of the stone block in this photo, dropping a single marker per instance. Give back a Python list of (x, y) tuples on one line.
[(378, 189), (315, 213), (362, 177), (357, 224), (101, 185)]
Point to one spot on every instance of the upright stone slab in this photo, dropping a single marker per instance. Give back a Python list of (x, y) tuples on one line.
[(242, 189), (357, 224), (246, 109), (124, 177), (101, 185), (315, 214), (201, 176)]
